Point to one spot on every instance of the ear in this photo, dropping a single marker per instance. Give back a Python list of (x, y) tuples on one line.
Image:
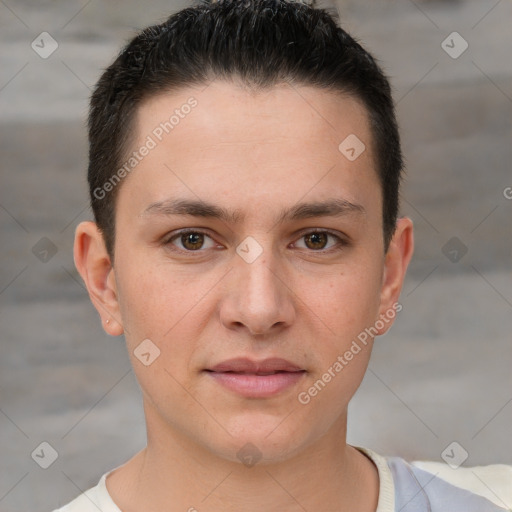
[(93, 263), (396, 262)]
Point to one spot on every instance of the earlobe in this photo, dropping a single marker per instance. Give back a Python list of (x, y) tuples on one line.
[(93, 264), (397, 260)]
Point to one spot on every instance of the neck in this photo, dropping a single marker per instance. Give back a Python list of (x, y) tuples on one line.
[(327, 474)]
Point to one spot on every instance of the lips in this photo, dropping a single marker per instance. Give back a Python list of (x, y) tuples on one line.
[(253, 379), (249, 367)]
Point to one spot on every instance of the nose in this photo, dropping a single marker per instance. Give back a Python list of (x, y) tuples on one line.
[(257, 298)]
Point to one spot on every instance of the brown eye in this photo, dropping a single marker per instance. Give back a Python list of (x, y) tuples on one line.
[(321, 241), (316, 240), (191, 241)]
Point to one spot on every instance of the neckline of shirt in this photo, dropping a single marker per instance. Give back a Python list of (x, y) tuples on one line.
[(386, 500)]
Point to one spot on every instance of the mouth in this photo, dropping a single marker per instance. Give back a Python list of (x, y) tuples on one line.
[(253, 379), (259, 374), (245, 365)]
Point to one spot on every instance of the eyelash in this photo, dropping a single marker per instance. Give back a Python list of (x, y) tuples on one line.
[(340, 244)]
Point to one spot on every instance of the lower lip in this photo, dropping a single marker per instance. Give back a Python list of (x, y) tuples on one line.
[(257, 386)]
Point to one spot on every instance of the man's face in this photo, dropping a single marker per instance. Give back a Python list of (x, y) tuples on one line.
[(255, 284)]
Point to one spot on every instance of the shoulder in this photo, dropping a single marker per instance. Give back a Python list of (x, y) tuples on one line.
[(493, 482), (464, 489), (427, 486), (82, 503), (94, 499)]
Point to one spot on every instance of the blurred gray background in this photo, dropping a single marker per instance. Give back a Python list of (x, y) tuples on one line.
[(442, 374)]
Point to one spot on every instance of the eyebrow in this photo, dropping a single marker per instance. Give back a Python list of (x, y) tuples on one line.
[(334, 207)]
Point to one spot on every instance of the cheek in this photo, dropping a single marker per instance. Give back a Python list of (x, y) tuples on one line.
[(167, 306), (347, 306), (150, 301), (347, 302), (154, 307)]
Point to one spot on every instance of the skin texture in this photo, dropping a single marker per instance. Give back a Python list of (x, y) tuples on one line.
[(302, 300)]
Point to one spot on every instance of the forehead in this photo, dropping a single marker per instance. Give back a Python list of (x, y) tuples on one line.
[(226, 140), (232, 113)]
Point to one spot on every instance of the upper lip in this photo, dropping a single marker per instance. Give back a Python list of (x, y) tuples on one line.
[(245, 365)]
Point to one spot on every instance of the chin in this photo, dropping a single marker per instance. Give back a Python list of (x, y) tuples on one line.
[(260, 440)]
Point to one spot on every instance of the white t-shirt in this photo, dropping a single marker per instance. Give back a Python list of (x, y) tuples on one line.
[(418, 486)]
